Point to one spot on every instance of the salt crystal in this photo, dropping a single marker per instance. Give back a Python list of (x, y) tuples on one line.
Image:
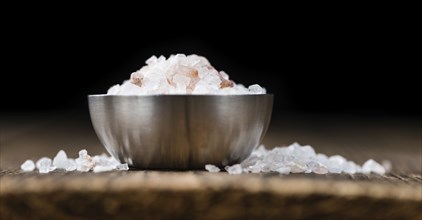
[(212, 169), (297, 167), (265, 168), (256, 89), (307, 151), (316, 167), (349, 167), (83, 153), (99, 168), (38, 163), (322, 158), (114, 90), (127, 88), (235, 169), (123, 166), (71, 165), (283, 170), (321, 169), (336, 163), (102, 160), (84, 163), (44, 165), (60, 161), (255, 169), (28, 166), (337, 159), (371, 166)]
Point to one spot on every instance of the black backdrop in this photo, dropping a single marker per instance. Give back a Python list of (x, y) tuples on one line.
[(355, 63)]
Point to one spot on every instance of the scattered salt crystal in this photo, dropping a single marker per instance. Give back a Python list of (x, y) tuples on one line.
[(349, 167), (98, 169), (300, 159), (84, 163), (102, 160), (321, 169), (211, 168), (371, 166), (297, 167), (60, 161), (181, 74), (255, 169), (38, 163), (71, 165), (337, 160), (336, 163), (28, 166), (235, 169), (83, 153), (44, 165), (283, 170), (308, 151), (123, 166), (316, 167)]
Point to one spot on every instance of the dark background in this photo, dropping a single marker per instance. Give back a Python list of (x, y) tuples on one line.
[(315, 62)]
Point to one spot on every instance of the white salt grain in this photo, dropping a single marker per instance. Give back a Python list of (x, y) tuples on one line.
[(38, 163), (371, 166), (235, 169), (297, 166), (211, 168), (84, 162), (350, 167), (44, 165), (71, 165), (99, 168), (60, 161), (83, 154), (123, 166), (83, 165), (28, 166), (283, 170)]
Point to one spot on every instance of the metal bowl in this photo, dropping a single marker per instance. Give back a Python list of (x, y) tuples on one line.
[(180, 131)]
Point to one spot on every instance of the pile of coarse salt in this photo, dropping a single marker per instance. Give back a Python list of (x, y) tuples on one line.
[(300, 159), (181, 74), (84, 163)]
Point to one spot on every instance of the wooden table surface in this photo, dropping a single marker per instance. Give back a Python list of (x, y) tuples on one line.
[(138, 194)]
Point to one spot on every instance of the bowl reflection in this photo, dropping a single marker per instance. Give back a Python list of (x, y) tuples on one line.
[(180, 131)]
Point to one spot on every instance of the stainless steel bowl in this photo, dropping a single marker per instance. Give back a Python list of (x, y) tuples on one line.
[(180, 131)]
